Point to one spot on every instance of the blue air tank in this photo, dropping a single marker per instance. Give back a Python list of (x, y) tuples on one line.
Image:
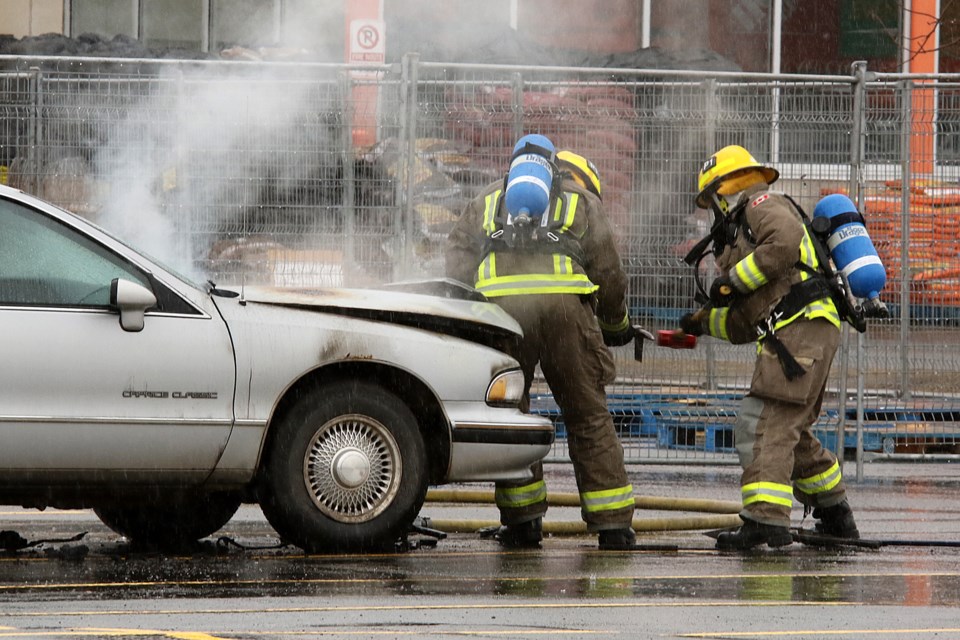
[(531, 177), (850, 246)]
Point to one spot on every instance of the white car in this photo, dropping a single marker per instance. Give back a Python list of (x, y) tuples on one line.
[(163, 404)]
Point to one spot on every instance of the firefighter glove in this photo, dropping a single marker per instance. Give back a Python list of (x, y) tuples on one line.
[(690, 324), (619, 338), (722, 292)]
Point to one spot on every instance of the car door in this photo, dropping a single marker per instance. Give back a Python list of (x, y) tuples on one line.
[(82, 399)]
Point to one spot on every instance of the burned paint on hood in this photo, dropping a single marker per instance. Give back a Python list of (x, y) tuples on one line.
[(441, 306)]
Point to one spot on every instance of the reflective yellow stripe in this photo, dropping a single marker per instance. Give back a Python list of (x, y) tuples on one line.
[(614, 328), (514, 497), (822, 481), (749, 274), (562, 265), (767, 492), (717, 325), (607, 500), (564, 278), (559, 208), (572, 200), (577, 283), (807, 254), (490, 212), (488, 268), (823, 308)]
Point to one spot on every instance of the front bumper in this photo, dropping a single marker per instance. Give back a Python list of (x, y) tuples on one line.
[(488, 443)]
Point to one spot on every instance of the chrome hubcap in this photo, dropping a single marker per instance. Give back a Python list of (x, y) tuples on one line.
[(352, 468)]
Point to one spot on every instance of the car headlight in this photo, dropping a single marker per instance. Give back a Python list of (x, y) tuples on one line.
[(506, 389)]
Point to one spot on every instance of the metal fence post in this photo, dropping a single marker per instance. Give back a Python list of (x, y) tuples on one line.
[(348, 210), (35, 130), (408, 158), (516, 83), (906, 102), (710, 138), (858, 128)]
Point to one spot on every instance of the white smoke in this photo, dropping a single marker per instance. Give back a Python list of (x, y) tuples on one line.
[(193, 157)]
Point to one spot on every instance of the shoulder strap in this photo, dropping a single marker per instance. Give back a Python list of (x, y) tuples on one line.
[(547, 237)]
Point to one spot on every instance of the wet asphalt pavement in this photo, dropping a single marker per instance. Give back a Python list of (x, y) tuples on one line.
[(467, 586)]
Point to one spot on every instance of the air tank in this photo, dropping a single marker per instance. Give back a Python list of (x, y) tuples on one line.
[(850, 246), (530, 177)]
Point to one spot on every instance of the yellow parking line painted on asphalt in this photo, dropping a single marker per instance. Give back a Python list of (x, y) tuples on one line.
[(182, 635), (812, 632), (49, 586), (46, 512), (179, 635), (432, 607), (110, 633)]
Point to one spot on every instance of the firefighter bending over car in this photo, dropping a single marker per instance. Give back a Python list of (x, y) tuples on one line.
[(539, 244), (771, 290)]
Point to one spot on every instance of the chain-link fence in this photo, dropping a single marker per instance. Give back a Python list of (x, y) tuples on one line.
[(319, 175)]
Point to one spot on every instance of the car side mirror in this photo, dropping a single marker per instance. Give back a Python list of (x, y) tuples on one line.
[(132, 301)]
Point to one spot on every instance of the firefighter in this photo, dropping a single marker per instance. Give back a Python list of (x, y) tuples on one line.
[(562, 279), (767, 292)]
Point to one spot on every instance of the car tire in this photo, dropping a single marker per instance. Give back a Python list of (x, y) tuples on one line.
[(346, 470), (171, 523)]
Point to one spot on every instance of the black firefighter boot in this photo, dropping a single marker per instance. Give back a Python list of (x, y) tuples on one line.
[(753, 534), (836, 521), (617, 539), (525, 535)]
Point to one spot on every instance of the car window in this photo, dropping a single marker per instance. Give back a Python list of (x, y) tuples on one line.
[(44, 262)]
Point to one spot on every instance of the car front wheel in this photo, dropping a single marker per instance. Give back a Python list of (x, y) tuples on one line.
[(346, 470)]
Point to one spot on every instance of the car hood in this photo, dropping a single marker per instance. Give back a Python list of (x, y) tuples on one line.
[(441, 306)]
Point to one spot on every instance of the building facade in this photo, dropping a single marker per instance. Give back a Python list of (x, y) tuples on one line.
[(789, 36)]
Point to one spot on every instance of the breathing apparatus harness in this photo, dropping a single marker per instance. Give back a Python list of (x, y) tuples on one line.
[(524, 233), (726, 226), (824, 281)]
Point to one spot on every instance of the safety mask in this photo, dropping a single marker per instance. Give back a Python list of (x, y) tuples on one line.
[(724, 204), (730, 201)]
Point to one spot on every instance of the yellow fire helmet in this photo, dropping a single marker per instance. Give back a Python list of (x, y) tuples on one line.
[(582, 170), (729, 165)]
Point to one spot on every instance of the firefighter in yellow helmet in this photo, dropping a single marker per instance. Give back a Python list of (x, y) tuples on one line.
[(767, 293), (566, 287)]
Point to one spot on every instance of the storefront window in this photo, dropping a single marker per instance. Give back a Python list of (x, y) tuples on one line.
[(106, 18), (176, 24), (827, 37), (244, 23), (732, 34)]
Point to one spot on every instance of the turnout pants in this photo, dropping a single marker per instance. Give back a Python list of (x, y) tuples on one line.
[(561, 332), (780, 456)]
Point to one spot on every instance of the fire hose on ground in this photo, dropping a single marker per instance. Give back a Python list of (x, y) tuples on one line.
[(726, 513), (726, 518)]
